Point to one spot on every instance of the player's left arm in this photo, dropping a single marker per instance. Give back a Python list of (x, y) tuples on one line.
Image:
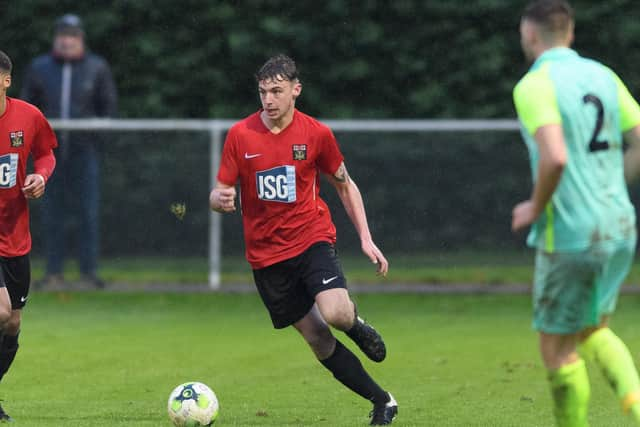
[(351, 199), (34, 184), (44, 161), (552, 160)]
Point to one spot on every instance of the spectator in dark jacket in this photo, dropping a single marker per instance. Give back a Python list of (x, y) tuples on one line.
[(69, 83)]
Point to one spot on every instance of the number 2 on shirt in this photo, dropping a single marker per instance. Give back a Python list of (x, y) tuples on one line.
[(594, 144)]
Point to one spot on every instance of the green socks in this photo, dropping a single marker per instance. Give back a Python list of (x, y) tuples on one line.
[(570, 383), (570, 390), (612, 356)]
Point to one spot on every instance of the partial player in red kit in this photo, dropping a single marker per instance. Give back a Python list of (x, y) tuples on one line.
[(276, 156), (24, 132)]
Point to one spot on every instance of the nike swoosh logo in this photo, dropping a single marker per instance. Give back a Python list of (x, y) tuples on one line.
[(325, 281), (22, 299), (251, 156)]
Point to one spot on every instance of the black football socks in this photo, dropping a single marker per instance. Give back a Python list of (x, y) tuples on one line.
[(8, 350), (346, 368)]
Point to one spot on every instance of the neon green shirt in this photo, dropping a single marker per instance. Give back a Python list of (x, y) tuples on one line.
[(591, 202)]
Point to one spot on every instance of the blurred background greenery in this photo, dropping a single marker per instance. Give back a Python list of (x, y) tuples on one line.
[(366, 59)]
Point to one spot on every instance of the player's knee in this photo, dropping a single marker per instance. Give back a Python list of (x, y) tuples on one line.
[(339, 316), (558, 350), (586, 333)]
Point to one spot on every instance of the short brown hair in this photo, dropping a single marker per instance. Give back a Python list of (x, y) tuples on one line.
[(554, 16), (5, 63), (279, 67)]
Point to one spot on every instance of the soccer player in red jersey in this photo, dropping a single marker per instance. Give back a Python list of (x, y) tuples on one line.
[(277, 155), (23, 131)]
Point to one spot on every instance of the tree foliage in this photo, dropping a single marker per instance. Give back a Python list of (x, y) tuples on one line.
[(407, 58)]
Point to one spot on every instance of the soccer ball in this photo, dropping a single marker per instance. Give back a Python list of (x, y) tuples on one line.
[(192, 404)]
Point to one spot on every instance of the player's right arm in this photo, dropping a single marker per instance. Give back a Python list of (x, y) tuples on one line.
[(552, 160), (223, 198), (44, 161), (537, 109)]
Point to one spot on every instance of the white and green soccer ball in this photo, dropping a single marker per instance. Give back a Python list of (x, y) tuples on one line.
[(192, 404)]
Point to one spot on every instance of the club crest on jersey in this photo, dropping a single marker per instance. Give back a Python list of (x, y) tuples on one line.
[(8, 170), (277, 184), (300, 152), (17, 138)]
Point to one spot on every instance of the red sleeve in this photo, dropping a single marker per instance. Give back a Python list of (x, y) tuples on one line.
[(330, 157), (44, 142), (228, 172)]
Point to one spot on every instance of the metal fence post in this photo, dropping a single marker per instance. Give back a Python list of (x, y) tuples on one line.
[(215, 219)]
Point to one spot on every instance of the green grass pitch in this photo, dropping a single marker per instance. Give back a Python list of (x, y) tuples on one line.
[(111, 359)]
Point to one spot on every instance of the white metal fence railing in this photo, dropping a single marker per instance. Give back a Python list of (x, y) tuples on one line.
[(216, 129)]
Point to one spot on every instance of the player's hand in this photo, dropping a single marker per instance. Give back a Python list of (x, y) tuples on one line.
[(524, 214), (33, 186), (375, 255), (223, 199)]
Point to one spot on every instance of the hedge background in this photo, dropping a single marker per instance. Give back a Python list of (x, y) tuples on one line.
[(404, 59)]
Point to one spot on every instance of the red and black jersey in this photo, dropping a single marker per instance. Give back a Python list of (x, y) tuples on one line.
[(24, 131), (280, 185)]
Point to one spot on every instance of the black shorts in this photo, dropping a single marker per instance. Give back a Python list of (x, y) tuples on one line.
[(15, 275), (288, 288)]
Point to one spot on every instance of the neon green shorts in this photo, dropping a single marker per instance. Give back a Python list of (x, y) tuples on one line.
[(574, 290)]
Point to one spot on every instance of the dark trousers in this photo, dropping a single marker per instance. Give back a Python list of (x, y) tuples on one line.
[(72, 193)]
